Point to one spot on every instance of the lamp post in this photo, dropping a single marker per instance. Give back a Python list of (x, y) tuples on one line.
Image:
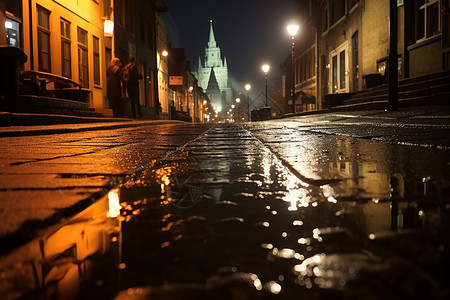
[(191, 88), (248, 87), (293, 29), (266, 69), (237, 108), (171, 102)]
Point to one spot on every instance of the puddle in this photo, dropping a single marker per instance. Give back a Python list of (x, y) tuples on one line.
[(359, 220)]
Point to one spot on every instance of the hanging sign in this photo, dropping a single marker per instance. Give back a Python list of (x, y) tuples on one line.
[(175, 80)]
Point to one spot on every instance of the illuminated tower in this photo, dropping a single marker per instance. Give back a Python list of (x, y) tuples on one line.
[(213, 62)]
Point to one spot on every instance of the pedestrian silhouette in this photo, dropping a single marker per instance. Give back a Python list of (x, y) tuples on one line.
[(130, 78), (114, 88)]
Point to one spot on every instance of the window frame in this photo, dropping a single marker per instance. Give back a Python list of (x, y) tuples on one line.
[(66, 40), (341, 70), (423, 20), (96, 59), (44, 30), (83, 58)]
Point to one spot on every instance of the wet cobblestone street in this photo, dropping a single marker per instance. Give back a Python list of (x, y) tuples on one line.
[(259, 212), (235, 223)]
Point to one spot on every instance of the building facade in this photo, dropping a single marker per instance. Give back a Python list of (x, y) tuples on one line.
[(65, 38), (343, 42), (77, 39), (213, 62)]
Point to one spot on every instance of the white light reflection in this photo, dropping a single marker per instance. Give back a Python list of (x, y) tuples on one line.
[(256, 282), (266, 164), (329, 193), (114, 204), (274, 287), (267, 246)]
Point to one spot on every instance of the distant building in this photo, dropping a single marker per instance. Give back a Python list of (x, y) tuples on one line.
[(213, 62)]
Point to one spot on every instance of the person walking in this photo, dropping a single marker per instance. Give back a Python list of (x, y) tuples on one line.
[(131, 77), (114, 88)]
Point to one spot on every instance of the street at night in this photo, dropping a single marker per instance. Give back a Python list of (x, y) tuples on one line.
[(224, 150), (341, 206)]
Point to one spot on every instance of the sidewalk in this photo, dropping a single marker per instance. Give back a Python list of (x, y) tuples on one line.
[(421, 115), (33, 130), (425, 116)]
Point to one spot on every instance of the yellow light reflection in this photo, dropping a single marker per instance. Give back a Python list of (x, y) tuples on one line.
[(114, 204)]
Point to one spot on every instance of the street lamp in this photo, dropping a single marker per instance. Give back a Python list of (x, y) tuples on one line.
[(293, 29), (266, 69), (237, 106), (248, 87)]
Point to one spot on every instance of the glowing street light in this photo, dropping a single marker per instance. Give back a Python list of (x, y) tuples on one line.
[(293, 29), (266, 69), (248, 88), (237, 107)]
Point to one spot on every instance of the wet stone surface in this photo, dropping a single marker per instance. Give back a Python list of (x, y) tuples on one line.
[(265, 213), (231, 221)]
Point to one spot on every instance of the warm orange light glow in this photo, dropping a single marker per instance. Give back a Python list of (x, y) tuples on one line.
[(114, 204), (108, 28)]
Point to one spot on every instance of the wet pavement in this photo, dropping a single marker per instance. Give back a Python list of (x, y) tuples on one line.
[(283, 209)]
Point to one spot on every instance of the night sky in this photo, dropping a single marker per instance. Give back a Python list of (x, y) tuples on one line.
[(248, 32)]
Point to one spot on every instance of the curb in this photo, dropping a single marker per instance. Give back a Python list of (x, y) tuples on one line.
[(16, 131)]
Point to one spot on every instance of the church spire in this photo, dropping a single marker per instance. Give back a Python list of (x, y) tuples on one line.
[(212, 39)]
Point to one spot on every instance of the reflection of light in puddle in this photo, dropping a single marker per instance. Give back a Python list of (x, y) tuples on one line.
[(329, 193), (273, 287), (114, 204), (304, 241)]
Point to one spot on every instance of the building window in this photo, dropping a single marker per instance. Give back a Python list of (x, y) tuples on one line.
[(66, 60), (96, 52), (334, 80), (13, 23), (43, 30), (12, 32), (83, 57), (428, 18), (337, 10), (339, 67), (342, 70)]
